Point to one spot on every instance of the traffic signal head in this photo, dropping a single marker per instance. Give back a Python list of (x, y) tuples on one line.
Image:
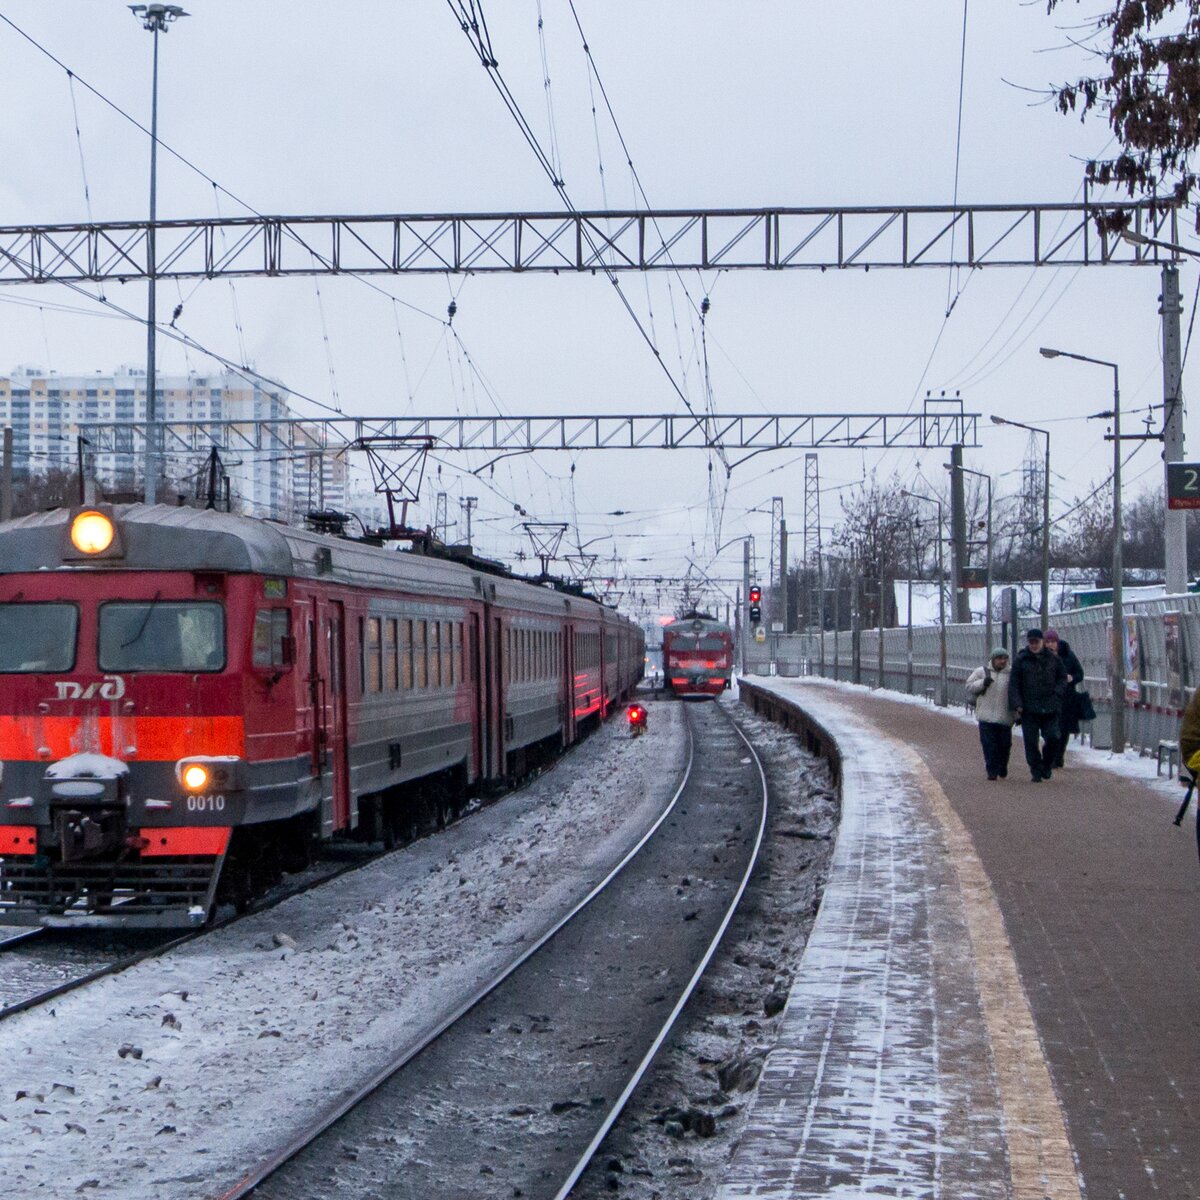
[(756, 595), (755, 614)]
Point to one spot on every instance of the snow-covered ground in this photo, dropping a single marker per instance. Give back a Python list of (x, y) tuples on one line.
[(163, 1080)]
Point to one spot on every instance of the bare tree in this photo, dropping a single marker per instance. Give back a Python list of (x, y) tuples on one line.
[(1147, 83)]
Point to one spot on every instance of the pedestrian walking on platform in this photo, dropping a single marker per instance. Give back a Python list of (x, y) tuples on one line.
[(1036, 687), (989, 686), (1069, 718)]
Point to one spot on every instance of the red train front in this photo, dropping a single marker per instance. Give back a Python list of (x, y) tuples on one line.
[(190, 702), (697, 656)]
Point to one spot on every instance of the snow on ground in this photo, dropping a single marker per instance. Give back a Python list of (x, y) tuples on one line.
[(164, 1080)]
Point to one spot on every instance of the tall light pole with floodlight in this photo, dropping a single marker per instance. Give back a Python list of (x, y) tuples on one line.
[(155, 18), (1118, 608), (1045, 613)]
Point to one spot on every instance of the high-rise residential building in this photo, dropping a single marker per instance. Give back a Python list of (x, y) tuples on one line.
[(45, 411)]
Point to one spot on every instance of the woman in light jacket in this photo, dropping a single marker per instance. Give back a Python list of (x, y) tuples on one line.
[(989, 686)]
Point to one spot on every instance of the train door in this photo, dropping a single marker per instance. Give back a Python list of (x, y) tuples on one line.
[(336, 733), (481, 716), (496, 660), (316, 692), (568, 681)]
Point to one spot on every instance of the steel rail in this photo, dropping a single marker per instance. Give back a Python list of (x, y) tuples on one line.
[(642, 1067), (260, 906), (24, 936), (244, 1186)]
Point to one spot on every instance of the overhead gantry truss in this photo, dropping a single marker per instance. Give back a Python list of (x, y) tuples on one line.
[(936, 424), (984, 235)]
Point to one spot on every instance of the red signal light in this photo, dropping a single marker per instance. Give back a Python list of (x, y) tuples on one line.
[(755, 595), (636, 714)]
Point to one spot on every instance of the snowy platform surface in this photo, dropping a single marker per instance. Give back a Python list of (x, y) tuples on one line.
[(909, 1064)]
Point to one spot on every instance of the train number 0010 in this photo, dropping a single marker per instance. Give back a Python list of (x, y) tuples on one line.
[(210, 803)]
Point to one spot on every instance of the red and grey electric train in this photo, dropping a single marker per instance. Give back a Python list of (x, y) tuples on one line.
[(697, 656), (190, 700)]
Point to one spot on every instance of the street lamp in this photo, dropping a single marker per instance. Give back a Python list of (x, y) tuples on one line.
[(155, 18), (1118, 611), (943, 699), (1045, 613), (988, 479)]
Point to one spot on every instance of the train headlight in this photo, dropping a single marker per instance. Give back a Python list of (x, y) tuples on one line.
[(92, 532), (194, 777)]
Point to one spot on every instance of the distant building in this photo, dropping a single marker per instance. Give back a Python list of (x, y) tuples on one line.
[(45, 411)]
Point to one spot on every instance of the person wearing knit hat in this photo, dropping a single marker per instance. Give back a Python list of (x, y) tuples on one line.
[(1037, 686), (1069, 718), (989, 687)]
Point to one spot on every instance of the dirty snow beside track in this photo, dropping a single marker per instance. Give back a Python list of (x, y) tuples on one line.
[(165, 1079)]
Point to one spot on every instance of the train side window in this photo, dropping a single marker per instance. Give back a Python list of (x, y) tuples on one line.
[(447, 653), (458, 652), (435, 654), (390, 666), (272, 637), (374, 655), (421, 629), (406, 677)]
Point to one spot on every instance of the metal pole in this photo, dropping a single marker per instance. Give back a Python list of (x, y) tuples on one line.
[(746, 593), (879, 673), (1175, 528), (6, 477), (837, 622), (855, 625), (958, 537), (943, 699), (988, 635), (821, 609), (1045, 535), (908, 640), (783, 577), (152, 465), (1118, 607)]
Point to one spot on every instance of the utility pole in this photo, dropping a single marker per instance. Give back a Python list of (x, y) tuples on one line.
[(6, 477), (1175, 528), (958, 537), (468, 504), (783, 575), (745, 593), (155, 18), (855, 624)]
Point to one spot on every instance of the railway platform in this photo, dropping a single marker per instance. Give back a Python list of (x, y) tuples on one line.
[(1001, 994)]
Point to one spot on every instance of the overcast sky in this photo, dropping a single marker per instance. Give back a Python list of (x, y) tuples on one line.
[(300, 107)]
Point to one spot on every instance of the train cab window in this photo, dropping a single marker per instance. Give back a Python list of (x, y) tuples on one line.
[(390, 665), (37, 637), (406, 657), (162, 635), (374, 655), (272, 633), (420, 630)]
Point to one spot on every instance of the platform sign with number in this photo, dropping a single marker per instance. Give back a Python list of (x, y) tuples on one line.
[(1183, 485)]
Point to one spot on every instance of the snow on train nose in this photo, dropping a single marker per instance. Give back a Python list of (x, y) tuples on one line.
[(86, 794)]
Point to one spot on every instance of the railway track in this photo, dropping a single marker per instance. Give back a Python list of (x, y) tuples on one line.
[(513, 1092), (41, 964)]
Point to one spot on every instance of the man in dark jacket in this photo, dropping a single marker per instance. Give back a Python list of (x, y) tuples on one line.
[(1068, 719), (1035, 693)]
